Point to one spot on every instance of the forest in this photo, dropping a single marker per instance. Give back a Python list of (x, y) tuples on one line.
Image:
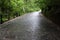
[(13, 8), (10, 9), (51, 9)]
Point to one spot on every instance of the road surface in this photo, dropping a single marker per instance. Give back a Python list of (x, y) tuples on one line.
[(31, 26)]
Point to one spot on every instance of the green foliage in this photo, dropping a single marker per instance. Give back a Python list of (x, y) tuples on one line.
[(14, 8), (51, 9)]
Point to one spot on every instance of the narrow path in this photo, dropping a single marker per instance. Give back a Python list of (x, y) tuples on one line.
[(32, 26)]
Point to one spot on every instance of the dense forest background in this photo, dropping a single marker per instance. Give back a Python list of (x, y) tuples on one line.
[(13, 8), (51, 9)]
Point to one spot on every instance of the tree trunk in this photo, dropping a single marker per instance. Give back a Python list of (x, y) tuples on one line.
[(8, 17), (1, 20)]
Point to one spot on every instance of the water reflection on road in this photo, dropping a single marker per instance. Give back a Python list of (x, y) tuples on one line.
[(32, 26)]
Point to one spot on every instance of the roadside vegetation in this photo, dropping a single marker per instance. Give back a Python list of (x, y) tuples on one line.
[(10, 9), (51, 9)]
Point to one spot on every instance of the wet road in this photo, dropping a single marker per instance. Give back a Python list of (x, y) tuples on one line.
[(32, 26)]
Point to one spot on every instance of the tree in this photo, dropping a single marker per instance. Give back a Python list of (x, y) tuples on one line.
[(51, 9), (15, 8)]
